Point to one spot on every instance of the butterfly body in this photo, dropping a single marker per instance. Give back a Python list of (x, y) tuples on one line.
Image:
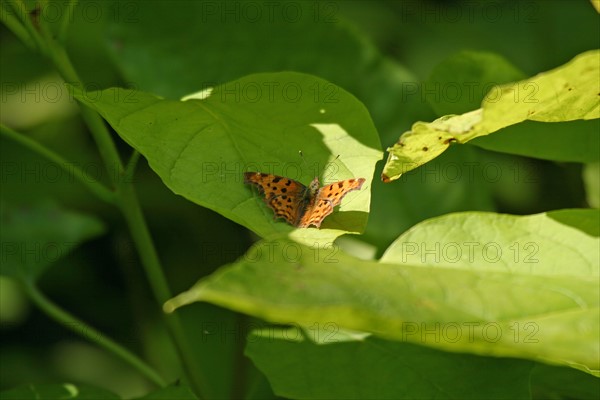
[(301, 206)]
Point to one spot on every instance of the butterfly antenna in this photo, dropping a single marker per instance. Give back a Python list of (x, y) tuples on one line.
[(301, 154)]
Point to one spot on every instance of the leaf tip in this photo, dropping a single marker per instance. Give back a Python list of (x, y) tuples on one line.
[(169, 307)]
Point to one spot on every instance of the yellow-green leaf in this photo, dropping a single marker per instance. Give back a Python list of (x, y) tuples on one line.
[(480, 283), (567, 93)]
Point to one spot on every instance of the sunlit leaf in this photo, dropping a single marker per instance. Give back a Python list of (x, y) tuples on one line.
[(567, 93), (200, 148), (488, 284)]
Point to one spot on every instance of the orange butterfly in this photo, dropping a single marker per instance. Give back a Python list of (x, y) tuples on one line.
[(299, 205)]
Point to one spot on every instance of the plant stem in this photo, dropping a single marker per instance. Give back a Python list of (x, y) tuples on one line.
[(93, 186), (14, 24), (66, 20), (89, 333), (130, 207), (20, 9), (143, 241), (106, 146)]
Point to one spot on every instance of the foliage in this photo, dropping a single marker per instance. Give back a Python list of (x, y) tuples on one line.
[(126, 127)]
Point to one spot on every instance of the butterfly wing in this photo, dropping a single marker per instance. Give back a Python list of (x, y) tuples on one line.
[(326, 199), (285, 196)]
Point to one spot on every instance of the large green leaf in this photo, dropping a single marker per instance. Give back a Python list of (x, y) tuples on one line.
[(560, 244), (385, 369), (35, 236), (539, 306), (253, 38), (573, 141), (554, 382), (550, 244), (201, 147), (567, 93), (380, 369)]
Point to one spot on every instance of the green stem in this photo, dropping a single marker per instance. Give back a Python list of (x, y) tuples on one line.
[(106, 146), (130, 207), (66, 20), (141, 237), (89, 333), (93, 186), (20, 9), (131, 164), (10, 20)]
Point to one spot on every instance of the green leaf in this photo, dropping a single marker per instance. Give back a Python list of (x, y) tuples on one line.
[(394, 370), (550, 244), (529, 291), (573, 141), (552, 382), (176, 391), (200, 148), (57, 391), (567, 93), (297, 34), (558, 250), (460, 83), (587, 221), (33, 237)]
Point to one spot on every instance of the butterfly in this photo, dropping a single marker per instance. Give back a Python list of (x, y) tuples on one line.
[(299, 205)]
